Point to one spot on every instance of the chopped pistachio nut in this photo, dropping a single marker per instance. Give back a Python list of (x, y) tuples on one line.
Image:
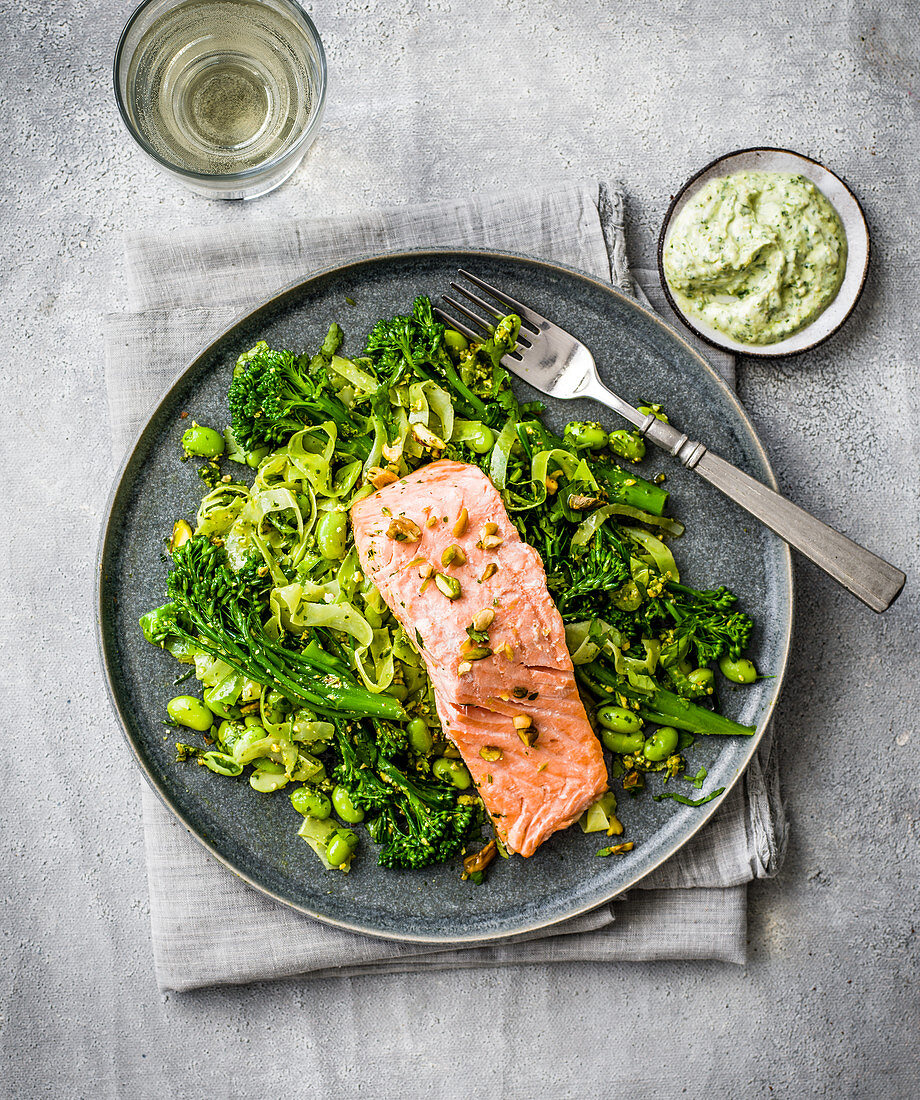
[(181, 533), (476, 864), (617, 849), (462, 523), (379, 478), (490, 570), (482, 620), (404, 530), (491, 753), (449, 586), (453, 555)]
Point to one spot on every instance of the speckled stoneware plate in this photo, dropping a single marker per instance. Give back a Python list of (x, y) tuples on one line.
[(255, 835), (854, 225)]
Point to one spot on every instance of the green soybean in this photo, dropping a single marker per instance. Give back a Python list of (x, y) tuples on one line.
[(702, 678), (741, 671), (661, 744), (622, 742), (311, 803), (619, 719), (585, 436), (482, 440), (420, 739), (186, 710), (451, 771), (271, 767), (341, 847), (331, 535), (345, 808), (628, 445), (202, 442), (253, 458), (265, 781), (454, 340)]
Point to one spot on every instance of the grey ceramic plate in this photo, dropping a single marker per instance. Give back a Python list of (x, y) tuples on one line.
[(854, 225), (255, 835)]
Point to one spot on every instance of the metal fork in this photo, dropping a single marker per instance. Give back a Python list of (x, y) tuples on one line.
[(557, 364)]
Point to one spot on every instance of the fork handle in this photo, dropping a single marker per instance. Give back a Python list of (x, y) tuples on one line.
[(869, 577)]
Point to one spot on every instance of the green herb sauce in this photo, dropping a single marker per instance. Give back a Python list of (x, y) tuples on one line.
[(756, 255)]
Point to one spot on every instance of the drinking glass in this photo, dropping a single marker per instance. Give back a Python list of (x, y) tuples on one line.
[(225, 95)]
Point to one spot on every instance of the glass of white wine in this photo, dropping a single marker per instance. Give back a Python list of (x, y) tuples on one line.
[(226, 95)]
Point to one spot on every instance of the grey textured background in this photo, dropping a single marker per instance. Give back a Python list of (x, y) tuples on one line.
[(427, 100)]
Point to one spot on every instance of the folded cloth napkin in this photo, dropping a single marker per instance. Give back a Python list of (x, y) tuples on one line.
[(208, 927)]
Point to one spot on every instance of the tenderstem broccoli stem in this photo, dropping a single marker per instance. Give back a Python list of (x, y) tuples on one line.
[(624, 487), (266, 669), (668, 709), (662, 706), (460, 386)]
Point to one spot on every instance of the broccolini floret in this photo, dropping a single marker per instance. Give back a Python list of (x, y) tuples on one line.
[(416, 822), (275, 394)]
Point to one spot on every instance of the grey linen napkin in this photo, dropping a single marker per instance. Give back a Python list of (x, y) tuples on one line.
[(208, 927)]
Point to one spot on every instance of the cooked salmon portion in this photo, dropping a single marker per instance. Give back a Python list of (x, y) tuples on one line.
[(444, 554)]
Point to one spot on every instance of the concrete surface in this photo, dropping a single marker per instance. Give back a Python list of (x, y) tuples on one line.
[(429, 99)]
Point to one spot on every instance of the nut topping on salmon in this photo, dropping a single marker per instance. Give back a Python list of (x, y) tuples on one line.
[(506, 694)]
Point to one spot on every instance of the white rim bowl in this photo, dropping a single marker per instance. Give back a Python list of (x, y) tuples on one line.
[(854, 225)]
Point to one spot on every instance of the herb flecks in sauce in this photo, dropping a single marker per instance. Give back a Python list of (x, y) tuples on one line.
[(756, 255)]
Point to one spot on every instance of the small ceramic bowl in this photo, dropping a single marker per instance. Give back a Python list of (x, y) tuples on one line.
[(854, 224)]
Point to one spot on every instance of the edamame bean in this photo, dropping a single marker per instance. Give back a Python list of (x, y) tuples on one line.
[(269, 766), (661, 744), (622, 742), (628, 445), (186, 710), (454, 340), (311, 803), (619, 719), (214, 702), (451, 771), (702, 678), (331, 532), (482, 440), (341, 847), (266, 782), (345, 808), (229, 732), (420, 739), (253, 458), (398, 691), (202, 442), (585, 435), (741, 671)]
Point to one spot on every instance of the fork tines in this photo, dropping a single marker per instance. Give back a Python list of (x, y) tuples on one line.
[(528, 318)]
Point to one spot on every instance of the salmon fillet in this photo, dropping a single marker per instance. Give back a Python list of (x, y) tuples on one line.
[(530, 791)]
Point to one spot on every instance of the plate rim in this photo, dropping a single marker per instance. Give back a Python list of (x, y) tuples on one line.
[(761, 351), (106, 539)]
